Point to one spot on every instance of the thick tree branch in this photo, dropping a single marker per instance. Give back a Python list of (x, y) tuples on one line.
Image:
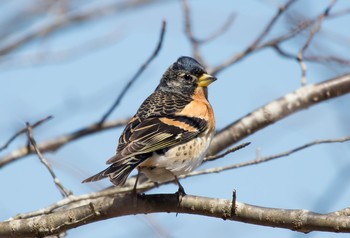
[(278, 109), (128, 204)]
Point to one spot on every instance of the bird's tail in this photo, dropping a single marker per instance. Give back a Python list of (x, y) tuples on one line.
[(118, 172)]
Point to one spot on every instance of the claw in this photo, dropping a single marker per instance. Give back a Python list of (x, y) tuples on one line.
[(181, 191)]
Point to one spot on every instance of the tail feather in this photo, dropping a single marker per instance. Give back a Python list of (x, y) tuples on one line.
[(118, 172)]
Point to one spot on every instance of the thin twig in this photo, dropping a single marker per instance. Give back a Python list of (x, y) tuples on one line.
[(220, 31), (300, 57), (259, 160), (313, 31), (328, 59), (194, 41), (189, 33), (255, 44), (289, 35), (65, 192), (136, 76), (23, 131), (313, 58), (340, 13), (32, 142), (231, 150), (272, 22), (274, 43), (303, 66), (234, 200)]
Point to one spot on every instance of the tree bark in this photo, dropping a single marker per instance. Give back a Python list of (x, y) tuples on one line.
[(130, 204)]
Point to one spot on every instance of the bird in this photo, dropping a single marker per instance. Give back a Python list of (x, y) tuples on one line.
[(171, 131)]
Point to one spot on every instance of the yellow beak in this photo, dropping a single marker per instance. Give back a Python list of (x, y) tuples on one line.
[(205, 80)]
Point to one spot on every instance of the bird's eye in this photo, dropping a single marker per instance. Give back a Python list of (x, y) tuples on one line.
[(187, 77)]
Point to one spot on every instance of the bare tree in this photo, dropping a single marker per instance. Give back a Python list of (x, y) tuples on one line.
[(295, 35)]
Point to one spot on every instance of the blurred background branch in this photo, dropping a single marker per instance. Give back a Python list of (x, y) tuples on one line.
[(56, 16)]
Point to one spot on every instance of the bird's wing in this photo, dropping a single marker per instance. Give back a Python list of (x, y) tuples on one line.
[(156, 133)]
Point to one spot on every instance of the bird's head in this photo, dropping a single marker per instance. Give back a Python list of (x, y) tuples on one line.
[(184, 76)]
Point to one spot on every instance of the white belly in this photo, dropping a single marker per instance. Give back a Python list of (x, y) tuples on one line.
[(177, 161)]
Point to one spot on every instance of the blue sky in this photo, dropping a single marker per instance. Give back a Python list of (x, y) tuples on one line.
[(78, 91)]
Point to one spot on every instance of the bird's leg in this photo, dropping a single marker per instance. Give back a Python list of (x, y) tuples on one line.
[(134, 190), (181, 191)]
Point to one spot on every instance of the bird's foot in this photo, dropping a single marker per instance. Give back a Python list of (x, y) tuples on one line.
[(180, 193)]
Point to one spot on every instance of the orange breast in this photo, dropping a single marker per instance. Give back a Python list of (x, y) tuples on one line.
[(200, 107)]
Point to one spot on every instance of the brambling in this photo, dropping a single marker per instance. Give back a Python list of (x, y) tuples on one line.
[(171, 131)]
